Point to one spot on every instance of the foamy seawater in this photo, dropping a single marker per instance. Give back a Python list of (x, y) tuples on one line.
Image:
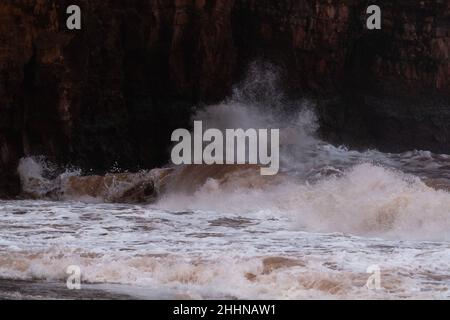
[(152, 253)]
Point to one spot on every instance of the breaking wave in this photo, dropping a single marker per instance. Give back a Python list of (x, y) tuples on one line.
[(322, 188)]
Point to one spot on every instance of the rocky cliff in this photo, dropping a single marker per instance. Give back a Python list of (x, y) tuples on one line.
[(111, 93)]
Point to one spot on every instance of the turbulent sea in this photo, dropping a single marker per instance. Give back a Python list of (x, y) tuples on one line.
[(312, 232)]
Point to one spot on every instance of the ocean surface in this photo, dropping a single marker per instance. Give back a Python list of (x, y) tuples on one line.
[(318, 230)]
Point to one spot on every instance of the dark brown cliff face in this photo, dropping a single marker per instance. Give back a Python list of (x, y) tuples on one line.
[(113, 92)]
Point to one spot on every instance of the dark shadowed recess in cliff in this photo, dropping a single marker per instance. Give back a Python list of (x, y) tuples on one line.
[(395, 93), (264, 31), (122, 104)]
